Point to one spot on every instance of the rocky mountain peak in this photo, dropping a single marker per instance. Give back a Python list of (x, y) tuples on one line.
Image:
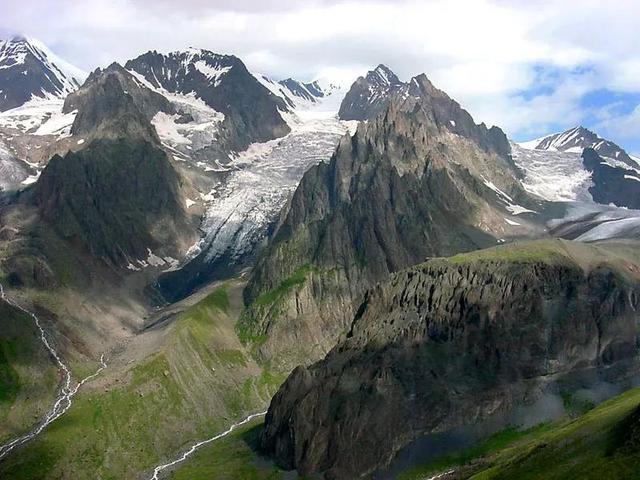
[(251, 110), (419, 179), (368, 95), (113, 103), (28, 69), (118, 195), (576, 139), (383, 76)]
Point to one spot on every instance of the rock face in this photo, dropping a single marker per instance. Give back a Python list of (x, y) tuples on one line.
[(369, 94), (612, 184), (118, 196), (251, 112), (419, 180), (113, 103), (451, 342), (29, 70)]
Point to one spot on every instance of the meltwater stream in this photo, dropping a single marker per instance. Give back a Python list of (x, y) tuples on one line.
[(67, 392), (183, 457)]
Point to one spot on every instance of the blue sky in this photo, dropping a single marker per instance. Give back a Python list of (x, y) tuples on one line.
[(531, 67)]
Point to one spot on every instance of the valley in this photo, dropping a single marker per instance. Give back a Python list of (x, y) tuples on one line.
[(209, 273)]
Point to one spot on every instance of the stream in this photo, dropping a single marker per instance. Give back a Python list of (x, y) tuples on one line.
[(183, 457), (67, 392)]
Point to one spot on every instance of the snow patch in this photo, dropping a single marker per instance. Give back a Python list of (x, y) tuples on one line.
[(553, 176), (31, 179), (168, 129), (518, 209), (213, 73)]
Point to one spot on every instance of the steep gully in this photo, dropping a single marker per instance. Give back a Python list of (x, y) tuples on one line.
[(67, 392)]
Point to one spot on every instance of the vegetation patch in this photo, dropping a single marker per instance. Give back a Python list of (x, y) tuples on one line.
[(246, 328), (493, 444), (9, 378), (231, 458), (603, 443), (298, 278), (550, 252)]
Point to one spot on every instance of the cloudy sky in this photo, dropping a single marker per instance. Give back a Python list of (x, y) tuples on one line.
[(530, 66)]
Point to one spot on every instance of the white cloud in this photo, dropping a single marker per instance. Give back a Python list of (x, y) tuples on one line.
[(485, 53), (625, 126)]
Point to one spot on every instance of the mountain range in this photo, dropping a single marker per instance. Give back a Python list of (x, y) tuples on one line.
[(388, 279)]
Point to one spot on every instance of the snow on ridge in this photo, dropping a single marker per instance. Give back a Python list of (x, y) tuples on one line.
[(532, 144), (213, 72), (67, 69), (514, 208)]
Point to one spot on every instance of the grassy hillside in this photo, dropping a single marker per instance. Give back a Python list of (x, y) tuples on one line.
[(603, 443), (171, 386), (28, 376)]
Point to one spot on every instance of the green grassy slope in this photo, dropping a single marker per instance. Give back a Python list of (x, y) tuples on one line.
[(603, 443), (194, 383), (596, 445), (28, 377)]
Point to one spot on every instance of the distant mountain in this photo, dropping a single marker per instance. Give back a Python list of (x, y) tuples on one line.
[(577, 139), (251, 111), (579, 165), (293, 92), (612, 184), (369, 94), (28, 69)]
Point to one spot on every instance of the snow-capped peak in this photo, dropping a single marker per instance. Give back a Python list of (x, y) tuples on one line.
[(576, 139), (386, 75), (28, 69), (383, 77), (15, 51), (295, 93)]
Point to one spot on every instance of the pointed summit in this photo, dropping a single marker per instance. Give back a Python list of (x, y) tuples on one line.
[(576, 139), (368, 94), (383, 74)]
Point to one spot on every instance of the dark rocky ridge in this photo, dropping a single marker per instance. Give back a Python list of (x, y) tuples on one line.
[(119, 195), (612, 184), (251, 111), (116, 198), (307, 91), (451, 342), (369, 94), (408, 185), (112, 102)]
